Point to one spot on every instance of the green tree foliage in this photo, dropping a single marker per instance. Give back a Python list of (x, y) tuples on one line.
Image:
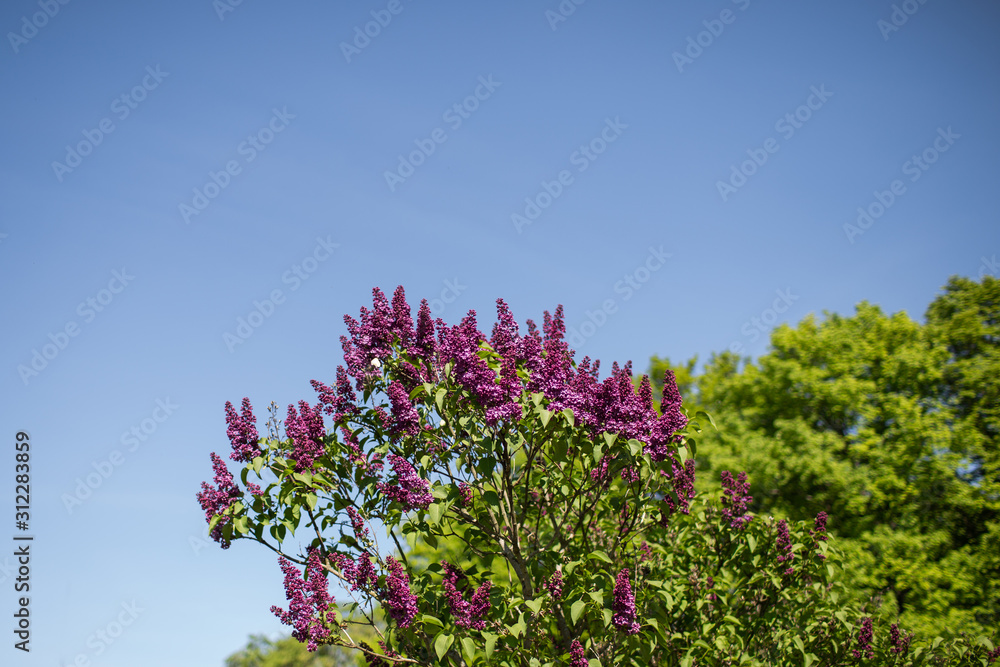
[(289, 652), (893, 428)]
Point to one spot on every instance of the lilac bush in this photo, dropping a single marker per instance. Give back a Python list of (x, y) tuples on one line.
[(565, 504)]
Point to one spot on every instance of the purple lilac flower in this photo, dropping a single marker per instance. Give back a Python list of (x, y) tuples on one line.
[(467, 614), (398, 599), (358, 524), (305, 428), (409, 490), (309, 602), (254, 489), (900, 645), (555, 585), (359, 574), (577, 657), (735, 499), (624, 605), (864, 640), (215, 500), (339, 401), (464, 494), (242, 432), (784, 546), (405, 419), (710, 584)]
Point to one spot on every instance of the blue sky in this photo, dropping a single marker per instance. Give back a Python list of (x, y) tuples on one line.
[(249, 154)]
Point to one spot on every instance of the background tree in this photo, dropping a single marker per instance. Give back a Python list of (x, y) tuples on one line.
[(891, 427)]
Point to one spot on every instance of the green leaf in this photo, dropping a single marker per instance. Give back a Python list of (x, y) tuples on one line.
[(434, 513), (257, 464), (798, 644), (609, 438), (534, 605), (752, 543), (439, 400), (240, 524), (600, 555), (442, 644), (702, 413), (597, 596), (311, 500), (468, 649), (491, 642), (634, 446), (427, 618), (683, 453), (576, 610), (568, 414), (545, 416)]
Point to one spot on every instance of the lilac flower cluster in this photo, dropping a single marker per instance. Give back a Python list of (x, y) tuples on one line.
[(864, 640), (555, 585), (464, 494), (405, 419), (683, 483), (306, 430), (410, 490), (359, 574), (467, 614), (735, 500), (577, 657), (609, 406), (900, 645), (214, 500), (340, 402), (242, 432), (710, 584), (309, 602), (398, 599), (358, 524), (784, 546), (624, 605)]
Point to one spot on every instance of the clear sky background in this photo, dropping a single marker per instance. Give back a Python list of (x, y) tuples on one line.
[(199, 83)]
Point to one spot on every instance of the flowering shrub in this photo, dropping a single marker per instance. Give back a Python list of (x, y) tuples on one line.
[(571, 499)]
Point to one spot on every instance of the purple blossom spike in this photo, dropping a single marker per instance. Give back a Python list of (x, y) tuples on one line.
[(624, 605), (409, 490), (784, 546), (215, 500), (577, 657), (309, 602), (901, 645), (405, 419), (555, 585), (864, 640), (467, 614), (242, 432), (306, 430), (398, 599), (735, 499)]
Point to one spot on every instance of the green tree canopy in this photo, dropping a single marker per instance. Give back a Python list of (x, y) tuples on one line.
[(890, 426)]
